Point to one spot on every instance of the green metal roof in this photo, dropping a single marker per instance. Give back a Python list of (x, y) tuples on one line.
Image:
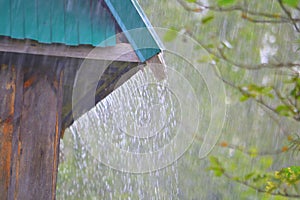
[(136, 27), (71, 22), (76, 22)]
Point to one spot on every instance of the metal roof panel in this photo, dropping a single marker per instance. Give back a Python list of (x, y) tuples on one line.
[(70, 22), (79, 22)]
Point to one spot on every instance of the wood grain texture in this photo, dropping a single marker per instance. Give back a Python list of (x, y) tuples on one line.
[(39, 140), (29, 130), (7, 96)]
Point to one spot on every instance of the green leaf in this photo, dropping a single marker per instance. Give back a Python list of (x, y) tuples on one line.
[(294, 92), (280, 198), (297, 81), (207, 19), (270, 95), (226, 2), (291, 3), (170, 35), (250, 175), (216, 166), (244, 98), (266, 90), (254, 88), (284, 110), (214, 161), (290, 175), (218, 171), (191, 1)]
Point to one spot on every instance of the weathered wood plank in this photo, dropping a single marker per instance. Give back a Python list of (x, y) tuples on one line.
[(40, 125), (120, 52), (12, 194), (30, 127), (7, 97)]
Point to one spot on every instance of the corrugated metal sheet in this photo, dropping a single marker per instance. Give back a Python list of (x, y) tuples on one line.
[(75, 22), (71, 22), (136, 27)]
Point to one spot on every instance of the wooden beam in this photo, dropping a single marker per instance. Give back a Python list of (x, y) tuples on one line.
[(30, 127), (120, 52), (8, 82)]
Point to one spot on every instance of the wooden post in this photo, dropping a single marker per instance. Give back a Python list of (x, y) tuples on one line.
[(30, 126), (35, 108)]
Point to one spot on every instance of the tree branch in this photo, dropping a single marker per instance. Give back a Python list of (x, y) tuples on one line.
[(273, 17), (248, 152), (259, 189), (256, 67), (288, 13), (249, 15), (221, 55)]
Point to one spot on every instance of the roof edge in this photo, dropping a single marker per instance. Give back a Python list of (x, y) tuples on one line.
[(147, 46)]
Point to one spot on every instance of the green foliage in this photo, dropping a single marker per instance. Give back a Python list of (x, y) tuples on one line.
[(211, 29), (291, 175), (295, 91), (287, 98), (248, 176), (284, 110), (191, 1), (226, 2), (283, 180), (255, 91), (207, 19), (216, 166), (291, 3)]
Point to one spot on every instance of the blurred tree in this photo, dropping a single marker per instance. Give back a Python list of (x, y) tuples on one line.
[(280, 96)]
